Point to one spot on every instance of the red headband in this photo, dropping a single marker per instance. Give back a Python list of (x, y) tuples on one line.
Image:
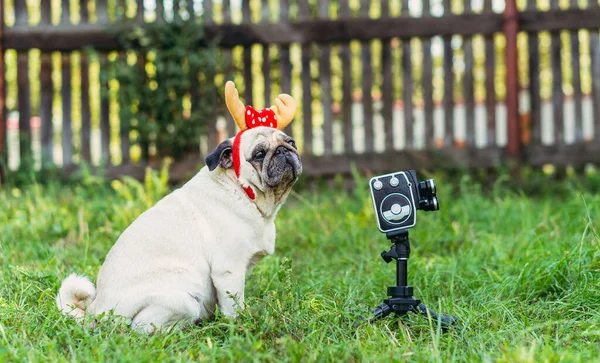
[(266, 118)]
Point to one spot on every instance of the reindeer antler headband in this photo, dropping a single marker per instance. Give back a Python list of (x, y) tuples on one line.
[(246, 117)]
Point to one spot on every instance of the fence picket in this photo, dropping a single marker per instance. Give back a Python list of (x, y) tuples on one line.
[(266, 61), (65, 91), (304, 14), (228, 71), (595, 61), (210, 94), (85, 96), (228, 68), (102, 11), (140, 11), (285, 68), (325, 83), (85, 110), (176, 13), (20, 13), (24, 105), (266, 70), (367, 83), (248, 79), (427, 79), (124, 128), (104, 114), (285, 65), (3, 110), (407, 93), (345, 56), (23, 93), (387, 93), (47, 93), (595, 70), (534, 89), (490, 90), (468, 86), (160, 10), (387, 88), (577, 93), (407, 85), (84, 14), (45, 11), (448, 83), (558, 99), (65, 17)]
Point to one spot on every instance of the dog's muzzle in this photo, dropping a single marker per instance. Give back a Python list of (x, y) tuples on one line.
[(284, 166)]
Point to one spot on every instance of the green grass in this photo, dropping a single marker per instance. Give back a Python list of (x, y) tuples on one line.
[(521, 273)]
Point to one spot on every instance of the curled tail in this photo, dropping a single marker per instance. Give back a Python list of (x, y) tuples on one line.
[(75, 295)]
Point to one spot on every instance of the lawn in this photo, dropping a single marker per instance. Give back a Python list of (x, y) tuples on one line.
[(522, 273)]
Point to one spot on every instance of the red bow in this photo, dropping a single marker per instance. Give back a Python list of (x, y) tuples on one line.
[(265, 117)]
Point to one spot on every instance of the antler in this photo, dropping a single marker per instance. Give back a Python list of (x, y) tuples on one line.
[(285, 109), (235, 106)]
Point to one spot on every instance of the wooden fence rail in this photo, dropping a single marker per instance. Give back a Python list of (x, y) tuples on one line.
[(381, 86)]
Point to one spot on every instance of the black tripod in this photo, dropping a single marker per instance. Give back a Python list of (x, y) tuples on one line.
[(401, 299)]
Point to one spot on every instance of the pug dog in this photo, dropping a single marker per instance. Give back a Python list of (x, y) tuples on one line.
[(193, 250)]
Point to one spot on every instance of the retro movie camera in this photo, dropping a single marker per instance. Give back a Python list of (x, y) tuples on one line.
[(397, 196), (396, 199)]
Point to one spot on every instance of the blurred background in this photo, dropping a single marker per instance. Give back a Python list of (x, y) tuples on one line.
[(381, 85)]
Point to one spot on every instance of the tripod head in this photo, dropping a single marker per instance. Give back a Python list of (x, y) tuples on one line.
[(400, 248)]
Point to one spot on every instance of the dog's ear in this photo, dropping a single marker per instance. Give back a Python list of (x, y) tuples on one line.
[(220, 156)]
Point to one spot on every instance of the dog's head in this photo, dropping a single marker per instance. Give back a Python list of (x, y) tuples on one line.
[(263, 158), (268, 160)]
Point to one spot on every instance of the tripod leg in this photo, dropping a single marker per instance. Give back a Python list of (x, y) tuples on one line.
[(380, 312), (446, 320)]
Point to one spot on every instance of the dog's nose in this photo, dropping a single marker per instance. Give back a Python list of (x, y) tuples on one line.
[(281, 150)]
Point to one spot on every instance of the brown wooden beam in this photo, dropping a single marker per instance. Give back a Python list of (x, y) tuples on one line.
[(406, 159), (556, 19), (181, 171), (570, 154), (101, 37), (67, 37)]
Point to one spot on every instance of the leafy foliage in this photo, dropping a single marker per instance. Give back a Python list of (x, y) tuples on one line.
[(165, 91)]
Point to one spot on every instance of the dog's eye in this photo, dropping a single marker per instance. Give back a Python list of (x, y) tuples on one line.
[(293, 144), (259, 155)]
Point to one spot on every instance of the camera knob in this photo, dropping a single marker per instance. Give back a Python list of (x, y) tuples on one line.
[(394, 181), (378, 185), (396, 208)]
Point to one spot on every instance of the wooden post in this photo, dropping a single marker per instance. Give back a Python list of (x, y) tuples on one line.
[(510, 28), (448, 99)]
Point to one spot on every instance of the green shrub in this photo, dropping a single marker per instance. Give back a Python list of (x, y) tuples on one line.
[(164, 94)]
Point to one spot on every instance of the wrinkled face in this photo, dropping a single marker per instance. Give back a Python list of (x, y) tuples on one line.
[(271, 156), (268, 160)]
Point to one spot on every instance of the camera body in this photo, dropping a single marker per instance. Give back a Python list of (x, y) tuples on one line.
[(397, 197)]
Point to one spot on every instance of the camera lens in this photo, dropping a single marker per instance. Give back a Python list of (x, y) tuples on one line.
[(429, 204), (427, 188), (432, 186), (435, 204)]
